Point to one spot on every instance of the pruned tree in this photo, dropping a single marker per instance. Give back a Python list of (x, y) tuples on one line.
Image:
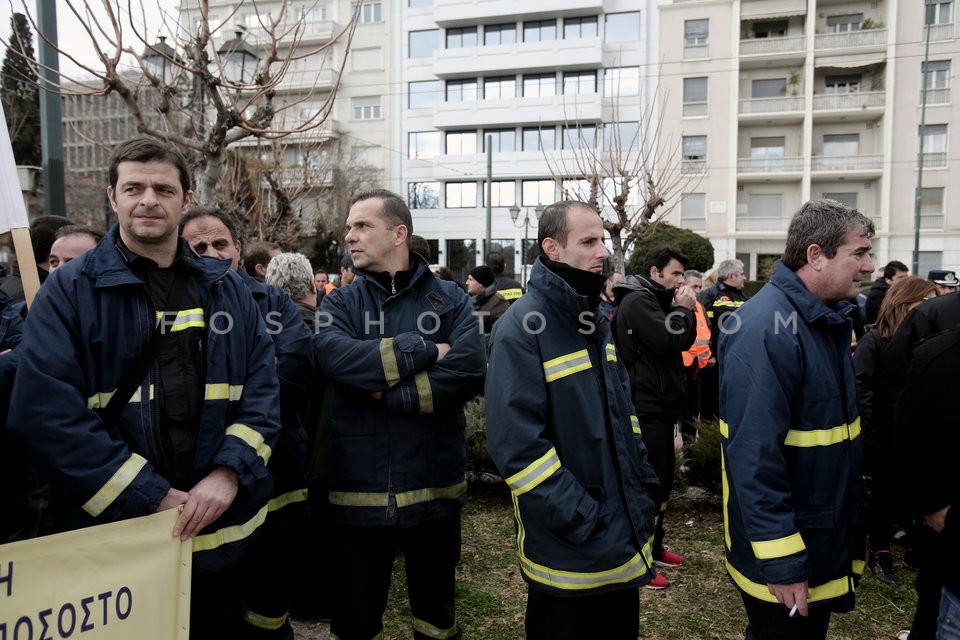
[(183, 89), (631, 175), (19, 92)]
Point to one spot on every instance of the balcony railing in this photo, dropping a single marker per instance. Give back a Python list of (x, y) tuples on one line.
[(928, 221), (866, 162), (771, 105), (693, 109), (770, 165), (762, 223), (693, 166), (941, 31), (768, 46), (852, 39), (856, 100), (693, 51), (934, 160), (936, 96)]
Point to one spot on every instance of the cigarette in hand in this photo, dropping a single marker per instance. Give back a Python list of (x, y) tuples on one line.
[(793, 611)]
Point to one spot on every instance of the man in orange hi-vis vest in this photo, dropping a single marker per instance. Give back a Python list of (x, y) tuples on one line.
[(697, 357)]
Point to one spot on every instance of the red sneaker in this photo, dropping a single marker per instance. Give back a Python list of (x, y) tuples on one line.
[(669, 559), (659, 582)]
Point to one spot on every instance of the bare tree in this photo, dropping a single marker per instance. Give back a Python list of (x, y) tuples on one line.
[(632, 175), (187, 92)]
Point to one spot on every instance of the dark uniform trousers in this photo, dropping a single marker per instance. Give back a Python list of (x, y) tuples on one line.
[(614, 615), (657, 430), (772, 621)]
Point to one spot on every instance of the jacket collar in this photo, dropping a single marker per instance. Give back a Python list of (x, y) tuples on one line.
[(635, 282), (809, 305), (420, 268), (557, 291)]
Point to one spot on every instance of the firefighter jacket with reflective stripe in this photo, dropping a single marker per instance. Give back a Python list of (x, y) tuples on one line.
[(562, 431), (790, 437), (399, 451), (700, 351), (88, 326)]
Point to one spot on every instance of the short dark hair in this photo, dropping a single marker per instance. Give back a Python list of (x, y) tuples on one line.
[(43, 231), (148, 150), (660, 257), (893, 268), (79, 230), (201, 211), (554, 222), (258, 253), (419, 244), (394, 210), (495, 261), (824, 223)]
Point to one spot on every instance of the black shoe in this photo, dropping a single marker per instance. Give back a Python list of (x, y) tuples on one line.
[(881, 564)]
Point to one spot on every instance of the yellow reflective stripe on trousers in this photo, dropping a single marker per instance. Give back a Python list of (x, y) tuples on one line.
[(826, 591), (252, 437), (611, 352), (391, 370), (288, 498), (630, 570), (263, 622), (635, 424), (566, 365), (102, 399), (427, 629), (779, 548), (823, 437), (404, 499), (223, 391), (227, 535), (186, 319), (534, 473), (119, 481), (424, 392)]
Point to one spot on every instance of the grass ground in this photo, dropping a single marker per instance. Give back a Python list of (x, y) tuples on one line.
[(700, 605)]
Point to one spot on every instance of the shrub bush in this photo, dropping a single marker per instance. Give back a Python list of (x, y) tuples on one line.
[(479, 462), (703, 457), (697, 248)]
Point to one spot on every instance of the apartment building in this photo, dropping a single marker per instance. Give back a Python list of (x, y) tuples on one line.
[(533, 81), (781, 101)]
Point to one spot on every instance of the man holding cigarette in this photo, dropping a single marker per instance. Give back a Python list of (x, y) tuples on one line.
[(790, 431)]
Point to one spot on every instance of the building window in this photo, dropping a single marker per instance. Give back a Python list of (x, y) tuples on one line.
[(621, 27), (694, 97), (848, 83), (696, 36), (579, 82), (539, 30), (621, 136), (537, 192), (495, 34), (765, 205), (768, 88), (461, 143), (621, 82), (575, 189), (845, 23), (536, 139), (366, 108), (460, 195), (931, 208), (766, 154), (574, 28), (423, 195), (939, 12), (420, 3), (693, 211), (539, 85), (848, 198), (841, 151), (423, 94), (694, 149), (500, 140), (936, 74), (503, 193), (461, 38), (423, 144), (770, 29), (579, 137), (461, 90), (501, 88), (371, 12), (934, 139), (423, 43)]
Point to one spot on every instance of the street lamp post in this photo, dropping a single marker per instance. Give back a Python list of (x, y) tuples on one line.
[(515, 215), (238, 55)]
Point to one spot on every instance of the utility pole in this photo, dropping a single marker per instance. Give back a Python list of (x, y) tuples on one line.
[(51, 120), (918, 196)]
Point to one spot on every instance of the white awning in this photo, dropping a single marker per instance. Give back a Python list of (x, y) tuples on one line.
[(763, 9), (849, 61)]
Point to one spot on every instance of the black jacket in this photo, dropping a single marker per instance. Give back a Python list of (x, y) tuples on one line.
[(933, 316), (876, 410), (875, 296), (651, 336)]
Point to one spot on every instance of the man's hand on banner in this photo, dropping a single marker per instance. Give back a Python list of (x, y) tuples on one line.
[(207, 501), (173, 499)]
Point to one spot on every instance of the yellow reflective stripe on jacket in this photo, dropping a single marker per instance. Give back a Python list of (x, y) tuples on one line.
[(427, 629), (535, 473), (779, 548), (826, 591), (611, 352), (261, 621), (288, 498), (119, 481), (823, 437), (404, 499), (223, 391), (510, 294), (252, 437), (636, 425), (102, 399), (566, 365), (391, 370), (186, 319), (630, 570), (424, 392), (235, 533), (724, 430)]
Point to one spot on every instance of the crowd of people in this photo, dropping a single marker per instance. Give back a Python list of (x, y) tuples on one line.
[(311, 431)]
